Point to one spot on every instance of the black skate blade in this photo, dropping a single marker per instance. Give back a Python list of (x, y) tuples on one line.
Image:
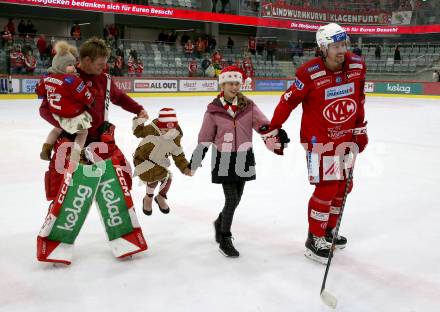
[(227, 256)]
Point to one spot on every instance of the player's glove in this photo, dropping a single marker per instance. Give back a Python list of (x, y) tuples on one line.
[(275, 139), (360, 136)]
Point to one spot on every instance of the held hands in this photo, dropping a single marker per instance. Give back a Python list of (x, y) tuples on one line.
[(143, 114), (188, 172), (275, 139)]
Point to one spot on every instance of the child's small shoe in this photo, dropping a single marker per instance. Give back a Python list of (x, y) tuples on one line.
[(162, 203), (147, 207), (46, 151)]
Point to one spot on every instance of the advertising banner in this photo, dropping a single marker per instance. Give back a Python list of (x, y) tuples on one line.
[(431, 88), (289, 83), (398, 87), (270, 22), (270, 85), (369, 87), (28, 85), (401, 18), (198, 85), (148, 85), (309, 14), (125, 84)]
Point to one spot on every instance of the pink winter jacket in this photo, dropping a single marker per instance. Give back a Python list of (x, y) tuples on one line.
[(232, 154), (231, 134)]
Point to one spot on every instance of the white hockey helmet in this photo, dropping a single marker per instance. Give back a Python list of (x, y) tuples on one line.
[(330, 33)]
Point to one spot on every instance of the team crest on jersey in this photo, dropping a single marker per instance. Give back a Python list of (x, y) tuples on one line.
[(352, 74), (339, 91), (313, 68), (80, 87), (298, 84), (338, 79), (323, 81), (339, 111)]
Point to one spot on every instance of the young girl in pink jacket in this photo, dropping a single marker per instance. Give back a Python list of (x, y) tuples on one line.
[(227, 125)]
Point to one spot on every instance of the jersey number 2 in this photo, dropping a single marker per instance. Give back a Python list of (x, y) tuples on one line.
[(54, 98)]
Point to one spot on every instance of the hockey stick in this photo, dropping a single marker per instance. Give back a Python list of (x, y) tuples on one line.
[(9, 85), (327, 297), (107, 96)]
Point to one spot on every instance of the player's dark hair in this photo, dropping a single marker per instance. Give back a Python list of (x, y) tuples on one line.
[(318, 52)]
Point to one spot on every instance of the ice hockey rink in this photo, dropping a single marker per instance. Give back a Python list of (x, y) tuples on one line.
[(391, 220)]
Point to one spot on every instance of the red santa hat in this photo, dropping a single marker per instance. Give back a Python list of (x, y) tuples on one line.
[(167, 119), (233, 74)]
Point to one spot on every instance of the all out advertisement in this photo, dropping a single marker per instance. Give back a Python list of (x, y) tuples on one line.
[(155, 86)]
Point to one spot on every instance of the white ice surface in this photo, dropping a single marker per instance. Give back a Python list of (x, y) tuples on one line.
[(392, 222)]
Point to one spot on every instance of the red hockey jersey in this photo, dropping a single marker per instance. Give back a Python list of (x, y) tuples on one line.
[(97, 84), (17, 59), (192, 66), (248, 67), (67, 95), (131, 64), (139, 67), (252, 44), (30, 63), (332, 102)]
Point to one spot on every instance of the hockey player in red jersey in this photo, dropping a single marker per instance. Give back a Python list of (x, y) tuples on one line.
[(68, 99), (331, 90), (131, 65), (192, 68), (139, 68), (101, 149), (248, 67)]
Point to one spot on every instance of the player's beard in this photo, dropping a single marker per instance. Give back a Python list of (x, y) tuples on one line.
[(340, 59)]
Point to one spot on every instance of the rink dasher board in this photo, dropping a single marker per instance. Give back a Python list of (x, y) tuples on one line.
[(5, 97)]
